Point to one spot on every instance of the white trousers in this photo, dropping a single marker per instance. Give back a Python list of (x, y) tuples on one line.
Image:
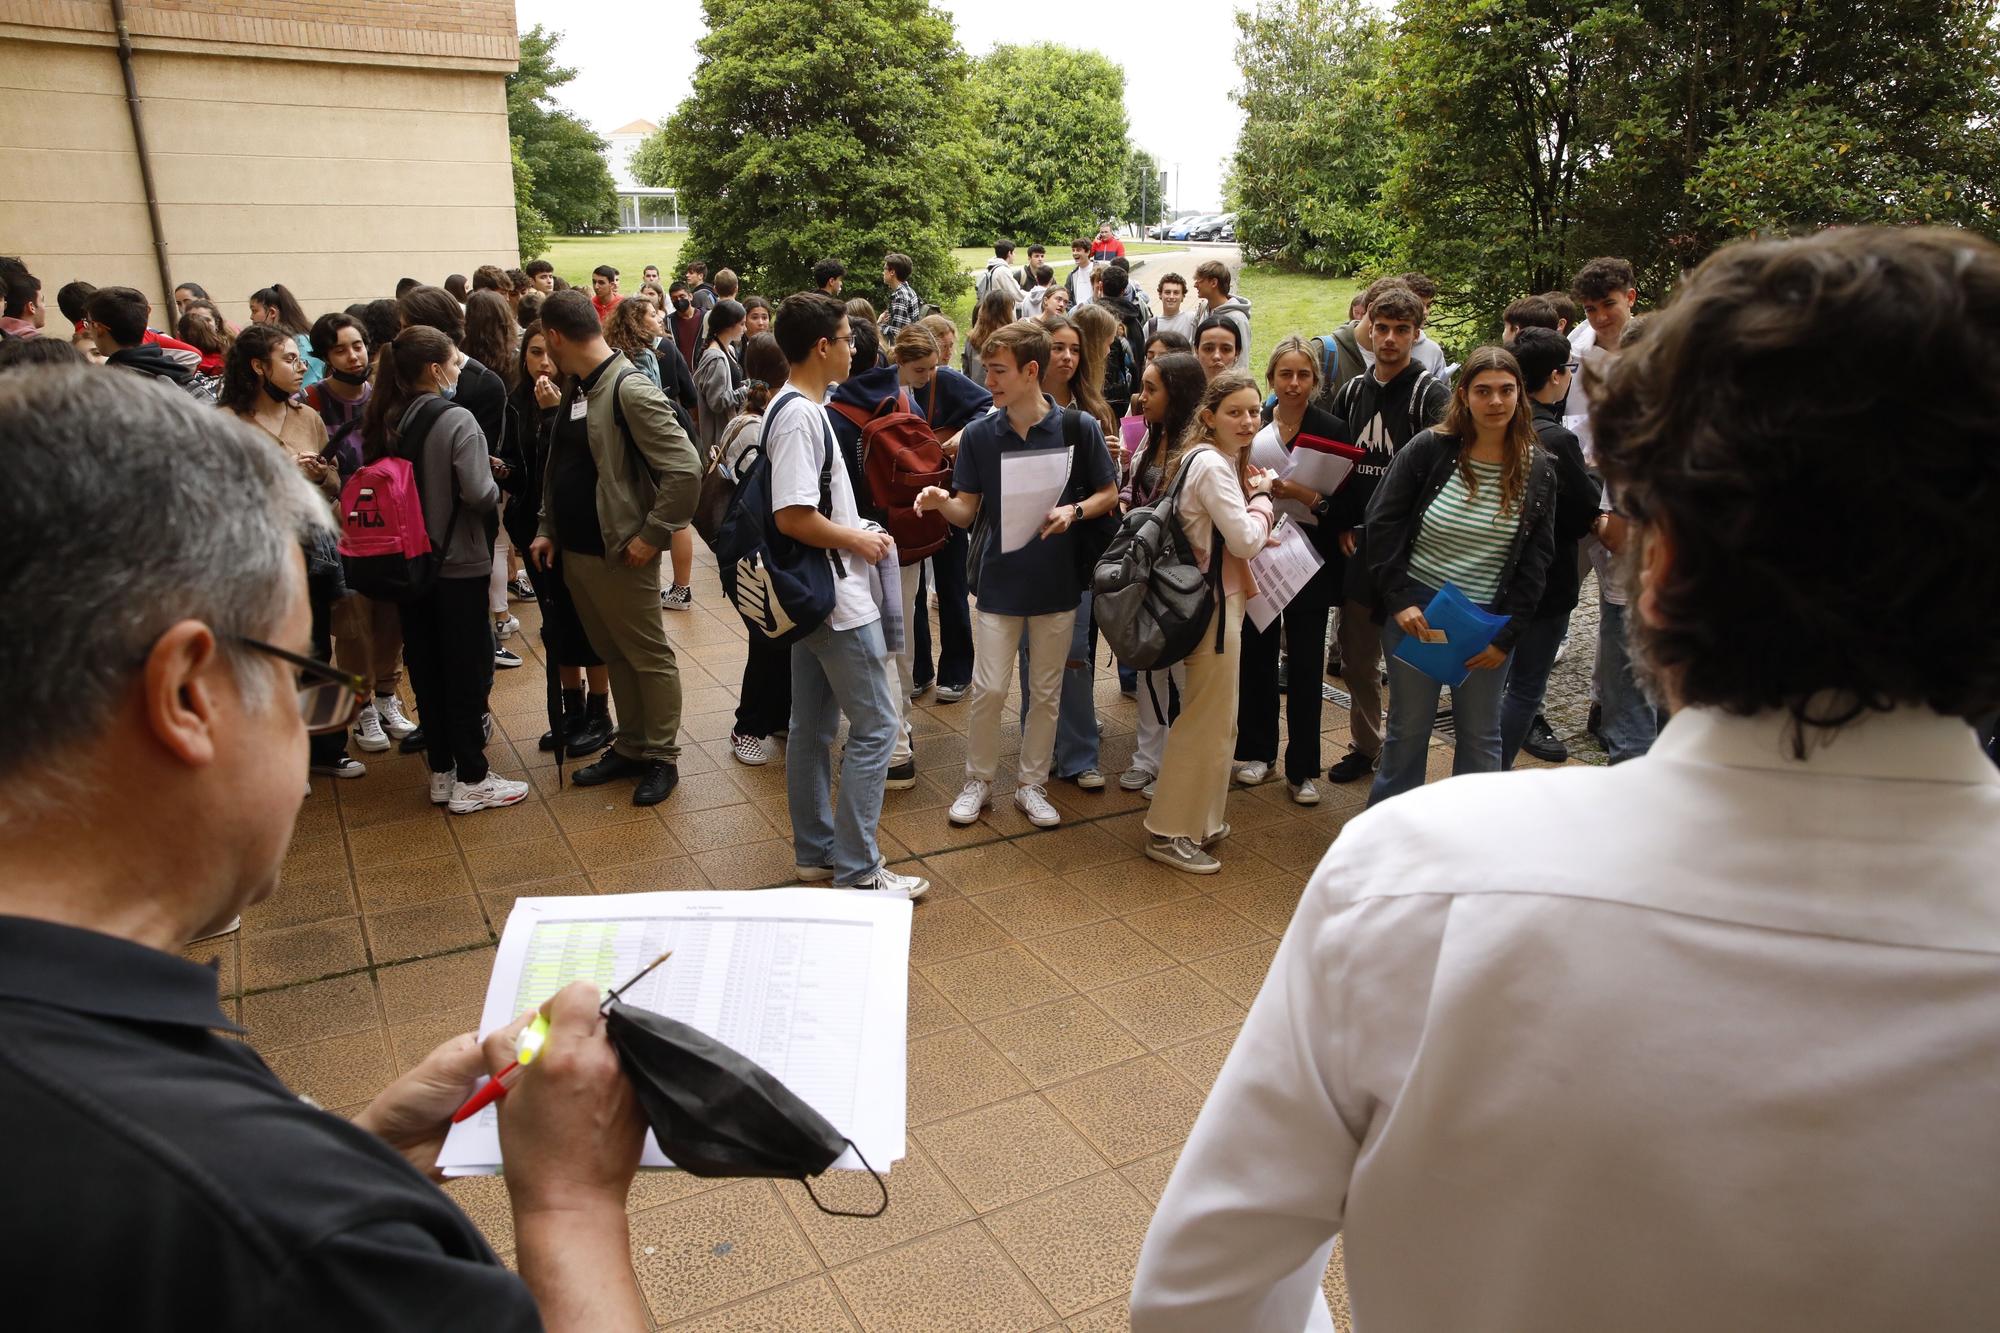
[(995, 640)]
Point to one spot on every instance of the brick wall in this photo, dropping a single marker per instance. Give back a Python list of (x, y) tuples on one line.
[(466, 30)]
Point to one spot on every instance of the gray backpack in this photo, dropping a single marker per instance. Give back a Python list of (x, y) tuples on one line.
[(1151, 601)]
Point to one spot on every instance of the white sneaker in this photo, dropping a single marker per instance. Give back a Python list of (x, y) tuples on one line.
[(677, 597), (390, 708), (889, 884), (1136, 778), (491, 794), (1250, 772), (1147, 790), (972, 798), (234, 925), (1305, 793), (368, 733), (441, 785), (1182, 854), (1034, 803), (812, 874), (511, 625), (1089, 780), (751, 750)]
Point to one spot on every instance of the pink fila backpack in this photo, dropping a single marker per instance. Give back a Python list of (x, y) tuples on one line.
[(385, 549)]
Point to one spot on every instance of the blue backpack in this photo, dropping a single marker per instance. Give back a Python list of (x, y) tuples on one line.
[(782, 588)]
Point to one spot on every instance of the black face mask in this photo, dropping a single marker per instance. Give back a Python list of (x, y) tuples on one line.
[(716, 1112), (681, 304), (275, 394), (349, 377)]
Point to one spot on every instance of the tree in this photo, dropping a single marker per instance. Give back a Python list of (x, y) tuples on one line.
[(1144, 201), (1317, 139), (571, 186), (1056, 155), (822, 128), (1535, 134), (531, 228)]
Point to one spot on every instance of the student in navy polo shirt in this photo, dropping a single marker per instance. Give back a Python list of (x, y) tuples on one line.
[(1034, 585)]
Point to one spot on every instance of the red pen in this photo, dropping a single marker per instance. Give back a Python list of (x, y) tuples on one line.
[(525, 1051), (533, 1037)]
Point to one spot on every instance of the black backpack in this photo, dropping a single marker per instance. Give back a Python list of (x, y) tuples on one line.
[(783, 589), (1151, 600)]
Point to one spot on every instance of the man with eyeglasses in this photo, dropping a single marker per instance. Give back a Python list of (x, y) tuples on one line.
[(147, 798)]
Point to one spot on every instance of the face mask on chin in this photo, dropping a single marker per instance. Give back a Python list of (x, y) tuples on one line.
[(275, 394), (353, 378)]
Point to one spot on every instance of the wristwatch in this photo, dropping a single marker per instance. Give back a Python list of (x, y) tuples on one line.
[(1075, 515)]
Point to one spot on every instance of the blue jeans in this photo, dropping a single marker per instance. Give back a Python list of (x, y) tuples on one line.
[(834, 672), (1413, 706), (1527, 681), (1076, 717), (1630, 722)]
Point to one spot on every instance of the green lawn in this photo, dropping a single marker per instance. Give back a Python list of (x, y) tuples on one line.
[(1283, 302), (628, 252)]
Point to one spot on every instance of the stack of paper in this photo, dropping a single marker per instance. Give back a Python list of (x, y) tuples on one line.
[(812, 984)]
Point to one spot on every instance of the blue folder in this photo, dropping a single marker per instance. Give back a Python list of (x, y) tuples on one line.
[(1468, 631)]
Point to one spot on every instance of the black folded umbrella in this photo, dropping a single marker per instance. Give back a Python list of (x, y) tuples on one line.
[(546, 591), (717, 1112)]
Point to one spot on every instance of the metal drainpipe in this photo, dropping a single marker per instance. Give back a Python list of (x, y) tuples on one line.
[(145, 157)]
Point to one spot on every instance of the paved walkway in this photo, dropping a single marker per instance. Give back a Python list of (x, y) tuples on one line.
[(1070, 1001)]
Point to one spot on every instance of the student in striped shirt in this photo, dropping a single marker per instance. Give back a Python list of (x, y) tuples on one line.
[(1470, 502)]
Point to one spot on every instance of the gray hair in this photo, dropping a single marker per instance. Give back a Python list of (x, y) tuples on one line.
[(127, 508)]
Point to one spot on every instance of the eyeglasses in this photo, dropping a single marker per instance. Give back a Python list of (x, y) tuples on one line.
[(329, 698)]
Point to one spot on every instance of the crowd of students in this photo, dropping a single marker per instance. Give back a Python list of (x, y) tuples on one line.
[(1770, 945), (564, 439)]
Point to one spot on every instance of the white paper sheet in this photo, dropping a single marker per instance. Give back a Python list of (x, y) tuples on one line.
[(1031, 482), (1280, 572), (1317, 470), (812, 984), (1266, 451)]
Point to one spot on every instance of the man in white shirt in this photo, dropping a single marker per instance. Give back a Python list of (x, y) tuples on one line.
[(1708, 1040), (837, 668)]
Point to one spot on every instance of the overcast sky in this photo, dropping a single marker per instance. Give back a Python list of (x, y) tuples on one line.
[(634, 61)]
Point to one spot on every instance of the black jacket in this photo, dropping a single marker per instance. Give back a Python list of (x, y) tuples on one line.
[(525, 451), (1133, 332), (676, 378), (1419, 472), (483, 393), (1577, 496)]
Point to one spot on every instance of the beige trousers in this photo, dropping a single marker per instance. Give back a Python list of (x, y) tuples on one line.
[(995, 641), (1193, 789)]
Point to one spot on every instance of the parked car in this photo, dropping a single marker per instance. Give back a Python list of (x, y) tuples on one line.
[(1184, 229), (1228, 232), (1210, 228), (1166, 229)]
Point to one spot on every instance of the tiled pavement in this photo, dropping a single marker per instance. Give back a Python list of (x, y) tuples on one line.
[(1070, 1001)]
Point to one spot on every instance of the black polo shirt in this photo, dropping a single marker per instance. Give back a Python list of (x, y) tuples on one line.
[(161, 1177)]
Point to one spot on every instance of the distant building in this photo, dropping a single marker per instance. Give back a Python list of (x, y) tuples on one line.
[(640, 207), (388, 123)]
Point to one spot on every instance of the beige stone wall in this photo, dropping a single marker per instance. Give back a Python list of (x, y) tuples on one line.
[(333, 177)]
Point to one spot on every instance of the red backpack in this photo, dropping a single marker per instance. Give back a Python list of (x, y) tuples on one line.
[(899, 457)]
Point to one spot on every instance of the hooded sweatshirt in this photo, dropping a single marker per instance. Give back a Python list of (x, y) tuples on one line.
[(1236, 309), (148, 359)]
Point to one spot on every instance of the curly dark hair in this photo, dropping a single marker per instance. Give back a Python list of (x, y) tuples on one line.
[(1827, 502)]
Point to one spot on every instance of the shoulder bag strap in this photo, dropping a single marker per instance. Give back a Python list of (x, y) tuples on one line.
[(624, 429)]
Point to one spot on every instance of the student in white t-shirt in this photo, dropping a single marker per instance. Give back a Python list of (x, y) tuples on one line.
[(837, 668)]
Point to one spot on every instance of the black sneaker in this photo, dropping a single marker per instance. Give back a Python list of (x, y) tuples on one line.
[(412, 743), (902, 776), (658, 783), (610, 768), (1543, 743), (1350, 766), (1594, 723), (547, 743)]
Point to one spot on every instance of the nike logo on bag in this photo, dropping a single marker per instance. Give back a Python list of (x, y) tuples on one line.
[(754, 601)]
